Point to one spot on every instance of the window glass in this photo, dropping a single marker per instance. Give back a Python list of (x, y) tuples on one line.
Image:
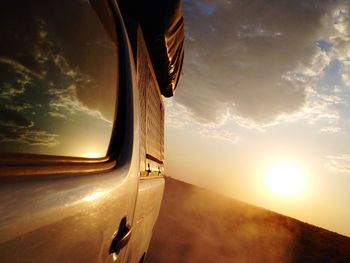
[(58, 77)]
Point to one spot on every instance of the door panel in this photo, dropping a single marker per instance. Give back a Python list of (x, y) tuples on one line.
[(147, 209), (64, 219)]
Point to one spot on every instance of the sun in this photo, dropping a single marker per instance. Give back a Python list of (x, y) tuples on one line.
[(285, 179)]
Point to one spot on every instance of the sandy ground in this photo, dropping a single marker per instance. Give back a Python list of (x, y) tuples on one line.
[(196, 225)]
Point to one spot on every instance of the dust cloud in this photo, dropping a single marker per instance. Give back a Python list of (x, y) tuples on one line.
[(196, 225)]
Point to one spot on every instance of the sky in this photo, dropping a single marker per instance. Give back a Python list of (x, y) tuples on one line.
[(57, 89), (266, 84)]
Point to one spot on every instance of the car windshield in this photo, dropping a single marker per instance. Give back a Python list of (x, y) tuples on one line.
[(59, 75)]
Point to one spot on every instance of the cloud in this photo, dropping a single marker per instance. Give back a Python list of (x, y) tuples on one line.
[(262, 69), (65, 101), (338, 163), (178, 116), (8, 91), (331, 129), (57, 115), (252, 31), (30, 137), (346, 72), (72, 89), (8, 94), (318, 107), (220, 134), (11, 118), (15, 127), (20, 68), (340, 37)]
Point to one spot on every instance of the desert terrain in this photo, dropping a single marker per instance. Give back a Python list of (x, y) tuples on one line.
[(197, 225)]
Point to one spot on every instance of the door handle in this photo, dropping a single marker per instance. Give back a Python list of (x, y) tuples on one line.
[(121, 238)]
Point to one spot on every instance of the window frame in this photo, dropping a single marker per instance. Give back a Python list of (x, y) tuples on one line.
[(24, 164)]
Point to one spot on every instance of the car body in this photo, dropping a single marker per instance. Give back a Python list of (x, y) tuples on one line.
[(81, 133)]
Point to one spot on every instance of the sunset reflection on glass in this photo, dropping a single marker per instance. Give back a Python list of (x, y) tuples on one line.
[(58, 79), (92, 154)]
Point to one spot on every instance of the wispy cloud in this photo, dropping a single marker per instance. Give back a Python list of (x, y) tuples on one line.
[(346, 72), (339, 163), (220, 134), (65, 101), (8, 91), (30, 137), (178, 116), (331, 129), (20, 68)]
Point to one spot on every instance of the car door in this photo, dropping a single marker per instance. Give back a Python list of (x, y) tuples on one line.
[(69, 150)]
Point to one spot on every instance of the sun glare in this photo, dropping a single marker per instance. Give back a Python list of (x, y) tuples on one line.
[(92, 154), (285, 179)]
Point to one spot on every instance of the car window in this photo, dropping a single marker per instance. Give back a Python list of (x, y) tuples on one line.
[(59, 74)]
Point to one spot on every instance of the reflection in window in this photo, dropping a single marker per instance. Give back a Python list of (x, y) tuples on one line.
[(58, 78)]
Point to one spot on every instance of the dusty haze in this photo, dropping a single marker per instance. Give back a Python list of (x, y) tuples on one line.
[(196, 225)]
